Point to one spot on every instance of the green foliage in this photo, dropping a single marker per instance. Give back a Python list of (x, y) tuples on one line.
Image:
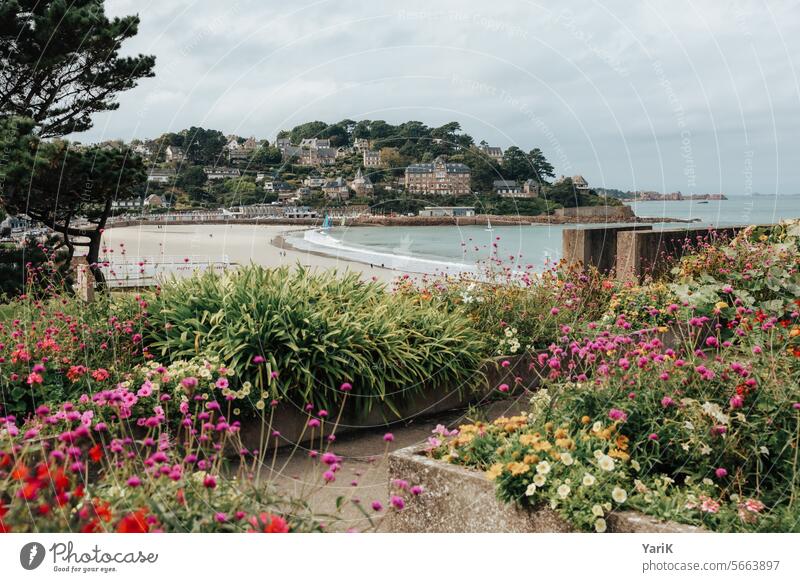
[(61, 62), (316, 331)]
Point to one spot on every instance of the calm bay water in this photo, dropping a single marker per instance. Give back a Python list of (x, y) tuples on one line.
[(433, 249)]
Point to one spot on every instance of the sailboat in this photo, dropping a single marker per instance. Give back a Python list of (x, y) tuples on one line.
[(488, 226), (326, 224)]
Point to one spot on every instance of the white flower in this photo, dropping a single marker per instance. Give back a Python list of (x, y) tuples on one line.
[(597, 426), (688, 425), (543, 468), (598, 454), (567, 459), (619, 495), (539, 480), (563, 491), (600, 525), (606, 463), (531, 489), (635, 464), (763, 450), (597, 510), (707, 481), (589, 480)]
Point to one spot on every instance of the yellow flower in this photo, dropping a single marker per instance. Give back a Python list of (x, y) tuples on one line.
[(518, 468), (617, 454), (585, 420), (494, 471), (531, 459), (720, 305)]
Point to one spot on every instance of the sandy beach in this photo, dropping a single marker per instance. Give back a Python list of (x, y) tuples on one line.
[(243, 244)]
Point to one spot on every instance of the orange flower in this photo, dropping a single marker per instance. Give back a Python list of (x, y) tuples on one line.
[(134, 523)]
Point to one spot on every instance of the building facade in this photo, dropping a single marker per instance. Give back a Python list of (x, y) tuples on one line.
[(439, 177)]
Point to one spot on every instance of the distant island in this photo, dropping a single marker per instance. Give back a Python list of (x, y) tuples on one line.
[(642, 195)]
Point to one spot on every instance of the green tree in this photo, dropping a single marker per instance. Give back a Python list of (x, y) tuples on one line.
[(58, 184), (60, 62), (203, 146), (190, 176), (515, 165), (542, 169)]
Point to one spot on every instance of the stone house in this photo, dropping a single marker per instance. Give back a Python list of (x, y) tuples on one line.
[(439, 177)]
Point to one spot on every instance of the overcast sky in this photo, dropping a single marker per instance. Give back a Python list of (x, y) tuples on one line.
[(696, 96)]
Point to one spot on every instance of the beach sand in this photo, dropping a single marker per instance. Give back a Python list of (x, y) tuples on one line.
[(243, 244)]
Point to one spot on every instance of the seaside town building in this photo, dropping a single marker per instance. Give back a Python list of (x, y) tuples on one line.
[(314, 181), (495, 153), (506, 188), (241, 151), (442, 211), (362, 185), (161, 175), (275, 186), (221, 173), (336, 189), (371, 158), (531, 188), (440, 177), (361, 144), (175, 154)]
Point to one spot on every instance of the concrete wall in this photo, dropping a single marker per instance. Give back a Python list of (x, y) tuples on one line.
[(610, 212), (459, 500), (594, 247)]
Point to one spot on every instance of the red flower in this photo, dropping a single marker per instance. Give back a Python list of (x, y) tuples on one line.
[(134, 523), (96, 453), (268, 523)]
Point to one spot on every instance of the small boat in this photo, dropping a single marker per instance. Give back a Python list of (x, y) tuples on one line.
[(488, 226), (703, 202)]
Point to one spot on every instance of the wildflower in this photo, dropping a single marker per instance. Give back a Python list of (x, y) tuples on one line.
[(567, 459), (416, 490), (258, 360), (606, 463), (563, 491), (666, 402), (597, 510), (313, 423), (543, 468), (530, 490), (397, 502), (209, 482), (589, 480), (388, 437), (619, 495), (600, 525), (220, 517), (134, 481), (653, 436), (503, 388), (346, 387), (221, 383), (330, 459), (269, 523), (329, 476), (617, 415), (377, 506), (539, 480), (135, 522), (721, 473)]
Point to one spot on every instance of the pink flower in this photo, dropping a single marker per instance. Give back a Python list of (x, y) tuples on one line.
[(330, 459), (737, 401), (313, 423), (667, 402), (711, 341), (189, 382), (258, 360), (505, 363), (416, 490), (222, 383), (377, 506), (209, 482), (721, 473), (653, 436), (397, 502), (503, 388), (346, 387), (388, 437), (134, 481), (329, 476), (617, 414)]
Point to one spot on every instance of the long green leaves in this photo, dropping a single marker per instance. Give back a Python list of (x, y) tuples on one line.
[(317, 331)]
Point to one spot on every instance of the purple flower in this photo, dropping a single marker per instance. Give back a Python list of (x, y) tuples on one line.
[(617, 414), (721, 473), (397, 502), (388, 437), (134, 481), (329, 476), (313, 423), (416, 490), (377, 506)]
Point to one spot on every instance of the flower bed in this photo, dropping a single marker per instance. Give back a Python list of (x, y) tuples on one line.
[(459, 500)]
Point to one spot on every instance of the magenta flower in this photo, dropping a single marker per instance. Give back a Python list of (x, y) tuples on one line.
[(377, 506), (222, 383), (721, 473), (617, 414), (134, 481), (388, 437), (416, 490), (653, 436), (503, 388), (209, 482), (313, 423), (258, 360), (329, 476), (397, 502), (346, 387), (666, 402)]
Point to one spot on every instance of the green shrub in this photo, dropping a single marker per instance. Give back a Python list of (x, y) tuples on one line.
[(315, 332)]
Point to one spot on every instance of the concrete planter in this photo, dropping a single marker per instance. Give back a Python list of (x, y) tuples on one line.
[(291, 421), (459, 500)]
